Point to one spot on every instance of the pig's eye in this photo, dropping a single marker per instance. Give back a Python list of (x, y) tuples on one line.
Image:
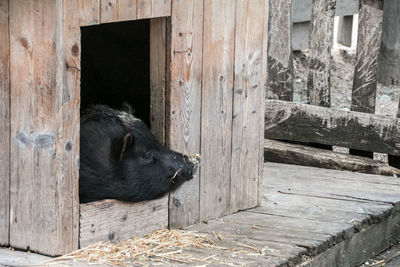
[(147, 156)]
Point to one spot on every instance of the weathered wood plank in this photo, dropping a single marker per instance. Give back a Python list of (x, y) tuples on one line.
[(369, 40), (68, 123), (345, 30), (320, 42), (247, 104), (45, 98), (112, 220), (280, 56), (33, 209), (4, 123), (318, 208), (153, 8), (89, 12), (123, 10), (305, 123), (355, 249), (118, 10), (281, 152), (389, 56), (217, 95), (340, 185), (184, 102), (158, 49), (263, 94)]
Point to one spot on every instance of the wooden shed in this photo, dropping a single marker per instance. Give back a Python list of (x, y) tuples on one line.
[(206, 73)]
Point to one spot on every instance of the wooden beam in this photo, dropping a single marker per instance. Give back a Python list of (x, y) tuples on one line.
[(158, 57), (115, 221), (4, 123), (345, 30), (248, 103), (123, 10), (184, 102), (305, 123), (320, 43), (280, 55), (389, 57), (281, 152), (368, 43), (216, 112)]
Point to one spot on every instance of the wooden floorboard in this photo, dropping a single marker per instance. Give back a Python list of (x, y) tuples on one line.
[(308, 217)]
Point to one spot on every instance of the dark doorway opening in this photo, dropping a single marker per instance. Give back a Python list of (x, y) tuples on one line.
[(115, 66)]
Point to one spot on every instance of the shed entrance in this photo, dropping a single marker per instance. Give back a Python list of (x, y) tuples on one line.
[(115, 66)]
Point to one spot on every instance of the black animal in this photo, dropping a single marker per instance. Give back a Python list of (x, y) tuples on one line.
[(121, 159)]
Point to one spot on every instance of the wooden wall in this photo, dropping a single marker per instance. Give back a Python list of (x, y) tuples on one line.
[(210, 102)]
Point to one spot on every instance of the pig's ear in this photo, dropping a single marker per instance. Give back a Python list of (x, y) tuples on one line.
[(127, 141)]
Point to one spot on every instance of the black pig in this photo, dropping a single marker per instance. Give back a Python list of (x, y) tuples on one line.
[(121, 159)]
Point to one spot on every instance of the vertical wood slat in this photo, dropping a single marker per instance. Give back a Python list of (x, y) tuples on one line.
[(369, 40), (4, 123), (158, 49), (33, 134), (320, 42), (247, 104), (280, 55), (122, 10), (69, 105), (184, 101), (262, 114), (389, 56), (216, 112)]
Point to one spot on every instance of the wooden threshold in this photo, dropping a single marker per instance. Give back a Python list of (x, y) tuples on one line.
[(113, 220)]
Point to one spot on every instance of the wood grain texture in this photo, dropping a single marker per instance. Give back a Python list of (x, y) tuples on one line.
[(247, 104), (33, 218), (305, 123), (280, 56), (4, 123), (112, 220), (281, 152), (216, 112), (263, 96), (345, 30), (123, 10), (68, 124), (368, 44), (320, 42), (45, 99), (158, 49), (184, 102)]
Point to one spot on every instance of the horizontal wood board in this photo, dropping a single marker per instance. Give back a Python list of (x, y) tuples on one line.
[(306, 123), (282, 152), (112, 220), (123, 10)]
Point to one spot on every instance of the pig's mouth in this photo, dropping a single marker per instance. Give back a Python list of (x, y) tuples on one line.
[(192, 163)]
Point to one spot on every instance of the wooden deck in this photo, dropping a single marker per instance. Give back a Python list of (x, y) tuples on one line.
[(308, 217)]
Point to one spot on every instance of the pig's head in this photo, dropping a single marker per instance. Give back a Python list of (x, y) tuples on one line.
[(129, 162)]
